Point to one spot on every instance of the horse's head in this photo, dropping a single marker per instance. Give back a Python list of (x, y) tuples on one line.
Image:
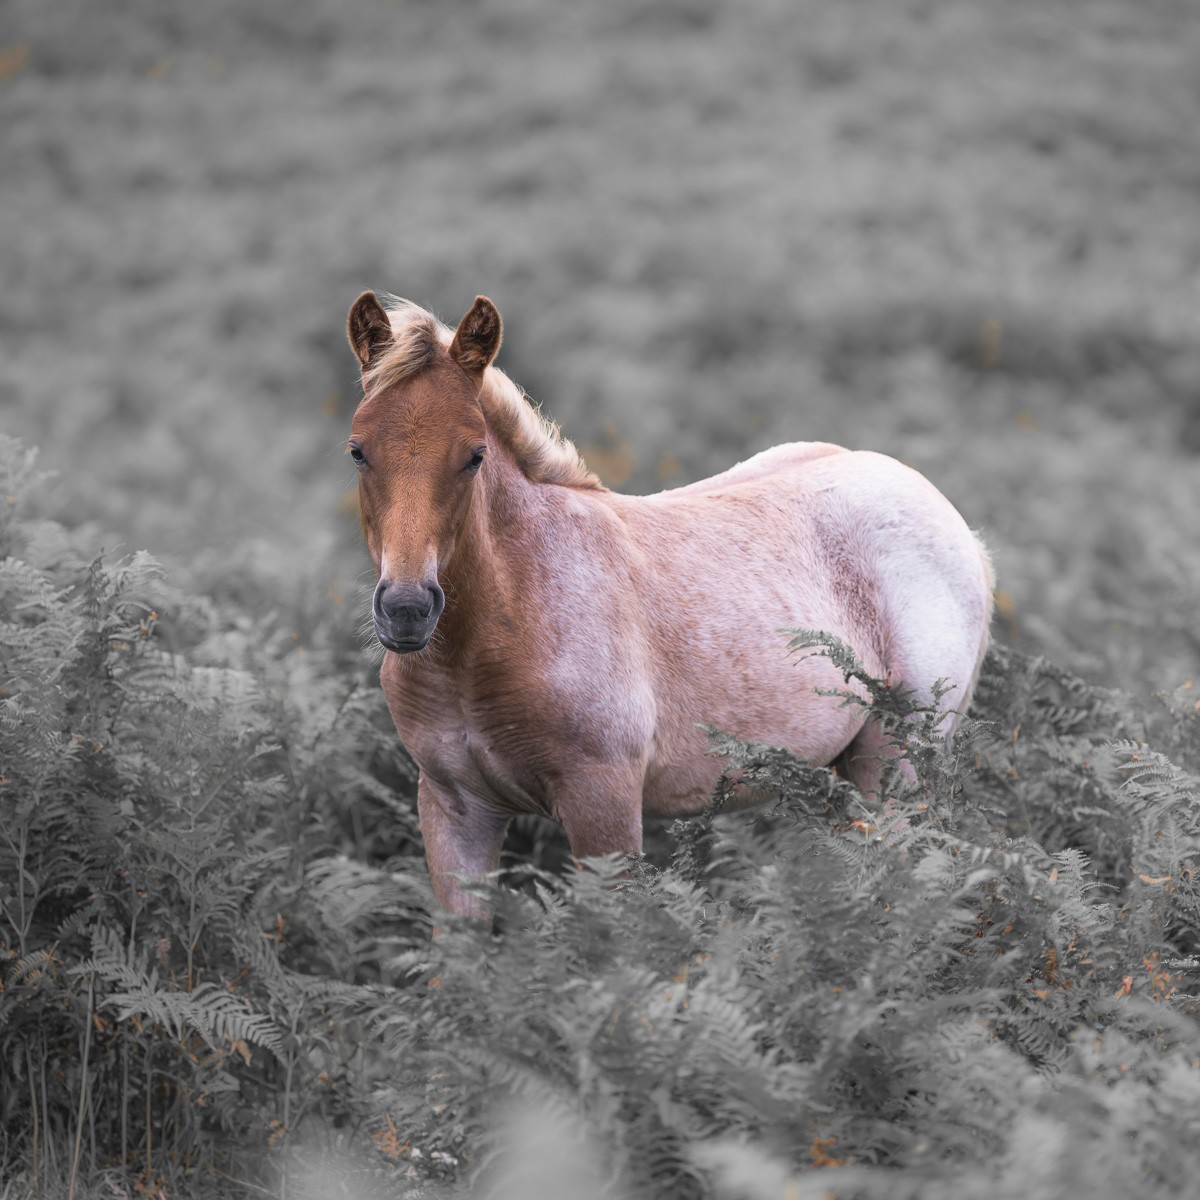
[(418, 441)]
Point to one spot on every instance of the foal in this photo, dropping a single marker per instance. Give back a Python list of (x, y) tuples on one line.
[(554, 647)]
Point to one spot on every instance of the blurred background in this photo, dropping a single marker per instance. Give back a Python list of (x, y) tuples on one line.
[(966, 234)]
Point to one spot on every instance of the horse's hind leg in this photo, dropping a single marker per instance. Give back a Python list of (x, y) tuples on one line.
[(866, 758), (951, 646)]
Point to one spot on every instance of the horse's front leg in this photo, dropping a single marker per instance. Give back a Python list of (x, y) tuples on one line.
[(463, 838), (601, 809)]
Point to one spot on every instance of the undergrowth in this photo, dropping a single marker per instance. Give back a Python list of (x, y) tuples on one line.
[(218, 976)]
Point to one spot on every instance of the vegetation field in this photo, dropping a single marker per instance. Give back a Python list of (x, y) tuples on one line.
[(963, 234)]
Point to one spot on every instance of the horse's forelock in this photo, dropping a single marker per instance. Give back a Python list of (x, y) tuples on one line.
[(417, 336)]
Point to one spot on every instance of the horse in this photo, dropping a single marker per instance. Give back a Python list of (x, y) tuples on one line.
[(555, 647)]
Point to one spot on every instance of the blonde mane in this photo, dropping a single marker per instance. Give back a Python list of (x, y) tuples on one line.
[(536, 442)]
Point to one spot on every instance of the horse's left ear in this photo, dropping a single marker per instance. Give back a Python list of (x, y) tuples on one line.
[(478, 337)]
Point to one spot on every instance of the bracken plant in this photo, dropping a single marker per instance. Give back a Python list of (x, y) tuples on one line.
[(218, 975)]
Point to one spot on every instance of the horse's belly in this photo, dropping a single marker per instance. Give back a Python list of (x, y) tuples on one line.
[(790, 712)]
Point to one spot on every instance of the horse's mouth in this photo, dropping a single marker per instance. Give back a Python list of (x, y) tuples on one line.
[(406, 646)]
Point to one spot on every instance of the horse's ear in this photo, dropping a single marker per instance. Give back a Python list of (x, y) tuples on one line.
[(478, 337), (368, 327)]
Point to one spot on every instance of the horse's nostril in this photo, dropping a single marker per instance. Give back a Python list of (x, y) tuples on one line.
[(406, 604)]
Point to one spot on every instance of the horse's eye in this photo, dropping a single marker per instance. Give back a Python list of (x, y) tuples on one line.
[(360, 459), (476, 461)]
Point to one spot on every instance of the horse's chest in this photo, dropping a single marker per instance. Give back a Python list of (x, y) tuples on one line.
[(504, 763), (489, 750)]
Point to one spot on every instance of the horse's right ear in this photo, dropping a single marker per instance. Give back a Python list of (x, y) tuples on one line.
[(368, 327)]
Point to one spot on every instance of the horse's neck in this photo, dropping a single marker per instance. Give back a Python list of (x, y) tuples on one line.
[(479, 581)]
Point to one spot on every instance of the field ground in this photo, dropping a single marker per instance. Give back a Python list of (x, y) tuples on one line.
[(963, 234)]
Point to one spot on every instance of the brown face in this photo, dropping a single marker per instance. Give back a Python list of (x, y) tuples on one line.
[(418, 445), (418, 449)]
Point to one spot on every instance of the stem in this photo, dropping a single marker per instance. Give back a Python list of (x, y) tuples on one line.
[(33, 1108), (47, 1140), (83, 1086), (287, 1083), (91, 1115), (193, 937), (149, 1117), (124, 1102), (22, 926)]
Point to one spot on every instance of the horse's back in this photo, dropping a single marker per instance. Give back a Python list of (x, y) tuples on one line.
[(758, 467), (824, 503)]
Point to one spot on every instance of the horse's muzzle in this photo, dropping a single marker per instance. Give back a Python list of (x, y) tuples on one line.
[(406, 614)]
